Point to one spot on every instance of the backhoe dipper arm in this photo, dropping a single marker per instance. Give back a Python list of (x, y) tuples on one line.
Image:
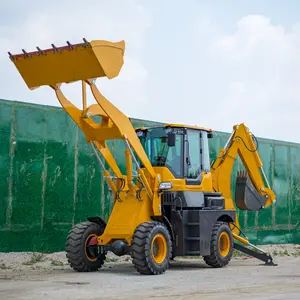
[(241, 143), (253, 193)]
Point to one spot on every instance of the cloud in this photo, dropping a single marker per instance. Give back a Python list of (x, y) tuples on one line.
[(215, 78), (205, 76), (262, 67), (42, 24)]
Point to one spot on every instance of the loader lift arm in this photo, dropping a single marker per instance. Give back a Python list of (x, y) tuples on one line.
[(85, 62), (253, 192), (114, 125)]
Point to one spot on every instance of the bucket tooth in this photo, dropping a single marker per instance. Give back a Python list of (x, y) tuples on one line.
[(40, 50), (55, 48), (11, 56), (246, 195), (70, 45)]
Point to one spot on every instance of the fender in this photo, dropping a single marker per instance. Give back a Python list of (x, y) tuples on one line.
[(97, 220), (165, 221)]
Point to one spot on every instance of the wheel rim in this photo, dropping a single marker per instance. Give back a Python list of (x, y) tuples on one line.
[(159, 248), (224, 244), (86, 250)]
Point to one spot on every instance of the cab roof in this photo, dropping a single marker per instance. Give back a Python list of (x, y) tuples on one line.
[(178, 126), (188, 126)]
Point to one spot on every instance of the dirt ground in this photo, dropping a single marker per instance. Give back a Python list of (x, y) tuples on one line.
[(33, 275)]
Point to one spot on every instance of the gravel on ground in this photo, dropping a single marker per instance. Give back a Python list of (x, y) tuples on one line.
[(35, 275)]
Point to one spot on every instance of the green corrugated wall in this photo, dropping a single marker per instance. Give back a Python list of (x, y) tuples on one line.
[(50, 179)]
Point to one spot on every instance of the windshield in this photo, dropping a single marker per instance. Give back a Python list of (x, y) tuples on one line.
[(155, 143)]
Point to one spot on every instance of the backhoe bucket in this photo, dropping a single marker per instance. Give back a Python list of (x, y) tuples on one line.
[(246, 196), (70, 63)]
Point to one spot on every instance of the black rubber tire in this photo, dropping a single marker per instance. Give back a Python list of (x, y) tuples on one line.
[(75, 244), (141, 248), (215, 259)]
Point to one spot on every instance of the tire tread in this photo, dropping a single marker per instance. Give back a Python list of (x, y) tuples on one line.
[(74, 251), (140, 250), (213, 259)]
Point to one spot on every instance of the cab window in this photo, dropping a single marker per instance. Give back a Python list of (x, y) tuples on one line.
[(206, 154), (194, 156)]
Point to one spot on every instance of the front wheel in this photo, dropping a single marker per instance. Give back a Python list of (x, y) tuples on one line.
[(151, 248), (79, 256), (221, 246)]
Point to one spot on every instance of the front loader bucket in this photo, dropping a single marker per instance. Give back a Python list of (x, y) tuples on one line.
[(246, 196), (70, 63)]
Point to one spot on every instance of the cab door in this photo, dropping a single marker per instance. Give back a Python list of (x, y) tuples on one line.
[(193, 157)]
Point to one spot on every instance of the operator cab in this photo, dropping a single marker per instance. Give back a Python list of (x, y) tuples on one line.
[(182, 149)]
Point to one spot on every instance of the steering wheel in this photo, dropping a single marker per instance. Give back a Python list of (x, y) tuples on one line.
[(160, 160)]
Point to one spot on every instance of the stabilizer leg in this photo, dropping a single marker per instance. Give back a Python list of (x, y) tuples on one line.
[(261, 255)]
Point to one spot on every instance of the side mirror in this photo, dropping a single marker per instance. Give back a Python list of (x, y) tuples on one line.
[(210, 135), (171, 139)]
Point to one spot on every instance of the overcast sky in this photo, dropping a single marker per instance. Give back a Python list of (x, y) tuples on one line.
[(209, 63)]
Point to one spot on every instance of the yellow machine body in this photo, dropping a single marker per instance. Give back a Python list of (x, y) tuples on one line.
[(137, 197)]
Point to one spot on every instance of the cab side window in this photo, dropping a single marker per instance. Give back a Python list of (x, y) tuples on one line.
[(206, 154), (174, 158), (194, 156)]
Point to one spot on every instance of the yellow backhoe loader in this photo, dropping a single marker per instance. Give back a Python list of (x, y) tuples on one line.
[(172, 201)]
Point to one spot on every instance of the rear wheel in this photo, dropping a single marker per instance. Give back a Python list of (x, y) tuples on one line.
[(221, 246), (80, 257), (151, 248)]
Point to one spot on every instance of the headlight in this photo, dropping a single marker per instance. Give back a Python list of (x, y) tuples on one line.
[(165, 185)]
